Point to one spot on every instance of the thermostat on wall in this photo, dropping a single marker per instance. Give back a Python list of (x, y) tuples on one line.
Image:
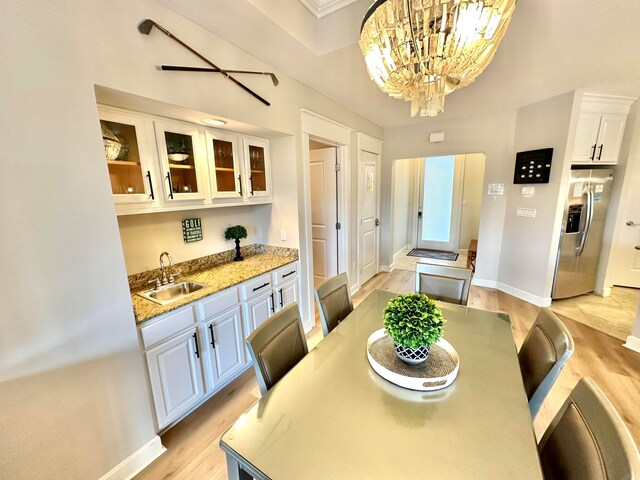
[(533, 166)]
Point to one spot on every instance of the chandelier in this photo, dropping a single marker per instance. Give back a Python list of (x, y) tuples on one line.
[(422, 50)]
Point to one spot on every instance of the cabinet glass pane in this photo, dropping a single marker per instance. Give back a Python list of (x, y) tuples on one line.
[(258, 170), (225, 173), (123, 159), (181, 162)]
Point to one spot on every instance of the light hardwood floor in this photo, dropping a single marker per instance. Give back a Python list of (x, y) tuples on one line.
[(192, 445)]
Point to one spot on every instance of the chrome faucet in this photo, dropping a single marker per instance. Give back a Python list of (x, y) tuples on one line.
[(164, 271)]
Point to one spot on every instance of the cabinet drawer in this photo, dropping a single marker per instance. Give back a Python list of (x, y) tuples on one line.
[(257, 286), (286, 274), (167, 327), (220, 302)]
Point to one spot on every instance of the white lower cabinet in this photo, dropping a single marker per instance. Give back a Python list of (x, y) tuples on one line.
[(194, 351), (225, 340), (175, 374)]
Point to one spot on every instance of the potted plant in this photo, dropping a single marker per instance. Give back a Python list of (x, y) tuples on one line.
[(236, 233), (414, 323)]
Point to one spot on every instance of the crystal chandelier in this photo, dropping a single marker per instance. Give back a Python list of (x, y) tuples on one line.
[(422, 50)]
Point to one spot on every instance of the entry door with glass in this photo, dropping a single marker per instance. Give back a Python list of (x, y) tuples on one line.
[(440, 203)]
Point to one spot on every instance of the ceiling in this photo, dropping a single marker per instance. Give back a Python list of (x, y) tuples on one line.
[(551, 47)]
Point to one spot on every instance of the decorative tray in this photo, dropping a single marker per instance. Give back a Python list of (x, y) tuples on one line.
[(438, 371)]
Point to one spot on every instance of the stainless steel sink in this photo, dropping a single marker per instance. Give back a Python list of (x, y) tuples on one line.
[(172, 292)]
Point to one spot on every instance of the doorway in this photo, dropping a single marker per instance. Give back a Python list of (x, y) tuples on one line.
[(323, 172)]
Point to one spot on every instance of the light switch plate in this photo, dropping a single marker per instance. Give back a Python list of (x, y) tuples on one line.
[(526, 212), (436, 137)]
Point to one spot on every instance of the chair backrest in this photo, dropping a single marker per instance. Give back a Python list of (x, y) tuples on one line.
[(440, 282), (587, 440), (277, 346), (544, 352), (334, 301)]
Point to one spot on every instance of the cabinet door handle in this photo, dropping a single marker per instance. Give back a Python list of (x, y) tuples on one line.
[(288, 274), (240, 184), (213, 339), (251, 183), (281, 300), (600, 151), (153, 197), (593, 152), (168, 177), (261, 286), (195, 338), (273, 304)]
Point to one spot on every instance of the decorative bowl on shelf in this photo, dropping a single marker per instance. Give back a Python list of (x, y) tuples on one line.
[(178, 157), (112, 144)]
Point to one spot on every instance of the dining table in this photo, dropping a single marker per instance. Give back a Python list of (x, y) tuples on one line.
[(333, 417)]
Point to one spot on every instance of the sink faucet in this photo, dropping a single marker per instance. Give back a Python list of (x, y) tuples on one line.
[(164, 271)]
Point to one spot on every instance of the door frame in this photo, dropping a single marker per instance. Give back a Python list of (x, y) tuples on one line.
[(334, 134), (370, 145)]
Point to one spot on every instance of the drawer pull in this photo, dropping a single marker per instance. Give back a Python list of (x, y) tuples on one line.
[(290, 273), (261, 286)]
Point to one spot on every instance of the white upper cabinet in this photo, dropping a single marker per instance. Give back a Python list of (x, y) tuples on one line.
[(600, 129), (224, 165), (130, 157), (257, 168), (183, 162)]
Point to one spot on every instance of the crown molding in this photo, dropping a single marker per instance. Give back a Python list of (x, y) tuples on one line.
[(321, 8)]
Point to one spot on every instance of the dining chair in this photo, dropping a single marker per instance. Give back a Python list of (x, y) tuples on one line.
[(334, 301), (545, 350), (276, 346), (440, 282), (587, 440)]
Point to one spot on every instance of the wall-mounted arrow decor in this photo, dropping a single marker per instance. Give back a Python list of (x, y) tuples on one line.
[(145, 27)]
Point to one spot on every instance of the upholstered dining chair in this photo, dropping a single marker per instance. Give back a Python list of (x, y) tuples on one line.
[(587, 440), (334, 301), (276, 346), (440, 282), (545, 350)]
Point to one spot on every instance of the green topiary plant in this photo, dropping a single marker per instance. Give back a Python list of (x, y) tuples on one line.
[(236, 233), (413, 320)]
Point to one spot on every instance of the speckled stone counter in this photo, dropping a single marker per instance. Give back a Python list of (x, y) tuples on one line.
[(216, 271)]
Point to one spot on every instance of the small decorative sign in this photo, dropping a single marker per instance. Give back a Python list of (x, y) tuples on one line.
[(191, 230), (496, 189)]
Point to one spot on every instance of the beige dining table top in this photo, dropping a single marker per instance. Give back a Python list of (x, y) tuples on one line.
[(333, 417)]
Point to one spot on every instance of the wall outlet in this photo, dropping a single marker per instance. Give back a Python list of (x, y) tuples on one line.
[(283, 235), (526, 212), (258, 232)]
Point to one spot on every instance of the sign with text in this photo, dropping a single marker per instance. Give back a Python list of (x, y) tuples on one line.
[(191, 230)]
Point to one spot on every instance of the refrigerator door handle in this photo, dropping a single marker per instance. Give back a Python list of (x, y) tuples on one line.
[(587, 223)]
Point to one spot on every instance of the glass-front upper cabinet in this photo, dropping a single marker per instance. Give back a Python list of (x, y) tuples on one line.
[(257, 167), (224, 166), (129, 156), (183, 161)]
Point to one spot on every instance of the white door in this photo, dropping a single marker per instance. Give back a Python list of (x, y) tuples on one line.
[(626, 246), (175, 373), (440, 202), (324, 207), (610, 138), (286, 294), (584, 149), (224, 340), (368, 186)]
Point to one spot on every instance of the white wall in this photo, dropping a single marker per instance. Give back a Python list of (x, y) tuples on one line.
[(73, 394), (488, 134), (472, 195), (404, 180), (529, 245)]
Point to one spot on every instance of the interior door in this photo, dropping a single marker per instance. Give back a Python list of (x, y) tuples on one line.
[(324, 208), (440, 202), (369, 206), (626, 253)]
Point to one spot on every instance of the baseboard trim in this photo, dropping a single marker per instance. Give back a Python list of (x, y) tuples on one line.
[(481, 282), (522, 295), (633, 343), (137, 461), (399, 253), (355, 289), (386, 268)]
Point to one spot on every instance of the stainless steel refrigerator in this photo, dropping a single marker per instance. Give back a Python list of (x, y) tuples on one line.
[(582, 230)]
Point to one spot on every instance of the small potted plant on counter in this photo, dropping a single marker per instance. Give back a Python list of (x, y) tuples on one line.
[(414, 323), (236, 233)]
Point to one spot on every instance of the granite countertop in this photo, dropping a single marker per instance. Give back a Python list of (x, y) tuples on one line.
[(217, 277)]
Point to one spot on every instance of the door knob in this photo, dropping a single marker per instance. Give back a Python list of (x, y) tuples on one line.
[(377, 222), (631, 223)]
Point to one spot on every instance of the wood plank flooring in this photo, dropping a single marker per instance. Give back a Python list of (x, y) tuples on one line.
[(192, 445)]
